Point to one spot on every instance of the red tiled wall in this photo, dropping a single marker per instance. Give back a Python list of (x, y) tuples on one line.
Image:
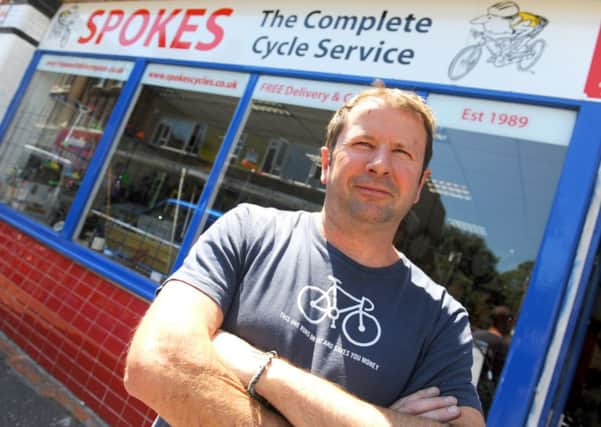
[(72, 322)]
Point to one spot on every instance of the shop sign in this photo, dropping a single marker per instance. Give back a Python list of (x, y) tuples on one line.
[(512, 45), (512, 120), (196, 79), (103, 69)]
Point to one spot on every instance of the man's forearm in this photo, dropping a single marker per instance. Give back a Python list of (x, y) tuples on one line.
[(186, 393), (172, 366), (307, 400)]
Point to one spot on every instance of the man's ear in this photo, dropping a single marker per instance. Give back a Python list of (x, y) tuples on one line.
[(325, 164), (425, 177)]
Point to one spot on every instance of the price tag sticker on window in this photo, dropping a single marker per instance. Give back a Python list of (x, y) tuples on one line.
[(528, 122)]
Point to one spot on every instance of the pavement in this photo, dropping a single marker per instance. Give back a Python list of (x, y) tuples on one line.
[(30, 397)]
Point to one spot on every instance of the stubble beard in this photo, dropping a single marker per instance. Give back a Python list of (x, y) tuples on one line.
[(372, 213), (357, 211), (353, 211)]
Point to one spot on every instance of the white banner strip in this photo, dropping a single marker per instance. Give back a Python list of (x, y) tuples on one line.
[(306, 93), (196, 79), (103, 69), (528, 122)]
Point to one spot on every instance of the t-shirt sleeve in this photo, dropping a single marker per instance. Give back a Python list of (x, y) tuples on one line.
[(216, 262), (447, 358)]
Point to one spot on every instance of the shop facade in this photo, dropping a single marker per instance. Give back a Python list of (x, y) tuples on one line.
[(138, 124)]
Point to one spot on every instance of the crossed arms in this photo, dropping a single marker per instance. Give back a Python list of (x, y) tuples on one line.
[(192, 375)]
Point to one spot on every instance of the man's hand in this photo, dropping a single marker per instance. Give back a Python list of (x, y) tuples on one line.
[(428, 403)]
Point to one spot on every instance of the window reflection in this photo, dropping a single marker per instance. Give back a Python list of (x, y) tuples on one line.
[(47, 148), (277, 160), (481, 217), (148, 194)]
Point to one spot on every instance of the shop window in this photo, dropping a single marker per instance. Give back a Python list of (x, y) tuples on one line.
[(277, 160), (144, 202), (57, 127), (481, 218)]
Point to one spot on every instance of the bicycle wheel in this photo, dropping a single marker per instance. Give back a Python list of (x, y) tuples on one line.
[(314, 303), (351, 328), (535, 51), (465, 61)]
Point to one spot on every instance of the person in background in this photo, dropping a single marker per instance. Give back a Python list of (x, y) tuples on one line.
[(314, 318), (494, 344)]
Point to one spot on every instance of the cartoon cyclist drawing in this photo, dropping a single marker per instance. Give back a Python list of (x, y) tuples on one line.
[(509, 36), (62, 26)]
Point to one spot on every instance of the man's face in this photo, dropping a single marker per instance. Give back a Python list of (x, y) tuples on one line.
[(374, 173)]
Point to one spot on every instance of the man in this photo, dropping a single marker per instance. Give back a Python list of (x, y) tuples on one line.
[(363, 336), (494, 344), (497, 336)]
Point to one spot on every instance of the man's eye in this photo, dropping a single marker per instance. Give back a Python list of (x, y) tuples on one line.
[(363, 144), (401, 152)]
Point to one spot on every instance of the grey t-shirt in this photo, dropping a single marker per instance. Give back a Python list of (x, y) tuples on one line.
[(380, 333)]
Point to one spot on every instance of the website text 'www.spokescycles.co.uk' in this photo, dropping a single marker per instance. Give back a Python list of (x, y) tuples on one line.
[(198, 81)]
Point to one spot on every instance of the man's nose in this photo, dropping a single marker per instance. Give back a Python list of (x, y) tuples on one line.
[(380, 161)]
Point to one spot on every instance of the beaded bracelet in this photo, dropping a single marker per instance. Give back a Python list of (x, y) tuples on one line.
[(255, 379)]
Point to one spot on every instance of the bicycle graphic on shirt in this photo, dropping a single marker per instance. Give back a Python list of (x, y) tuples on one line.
[(358, 326)]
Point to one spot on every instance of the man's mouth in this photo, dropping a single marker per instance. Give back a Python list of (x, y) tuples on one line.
[(373, 190)]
